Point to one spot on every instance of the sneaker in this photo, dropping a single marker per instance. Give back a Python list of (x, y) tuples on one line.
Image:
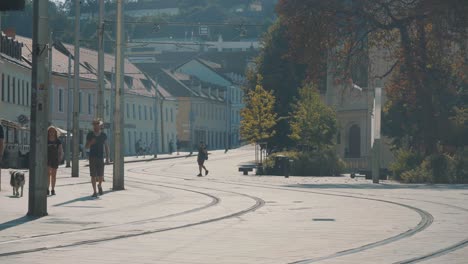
[(48, 192), (94, 195), (206, 173), (199, 175), (53, 192), (100, 190)]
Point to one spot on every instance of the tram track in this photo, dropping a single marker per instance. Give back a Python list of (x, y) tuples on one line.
[(258, 204), (426, 218)]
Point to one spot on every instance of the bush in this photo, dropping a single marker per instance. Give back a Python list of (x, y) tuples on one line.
[(461, 166), (411, 167), (321, 163), (405, 160)]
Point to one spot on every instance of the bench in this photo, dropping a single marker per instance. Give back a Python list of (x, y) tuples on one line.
[(245, 168)]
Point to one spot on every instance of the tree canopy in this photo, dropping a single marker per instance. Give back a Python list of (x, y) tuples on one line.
[(258, 116), (313, 122), (426, 40)]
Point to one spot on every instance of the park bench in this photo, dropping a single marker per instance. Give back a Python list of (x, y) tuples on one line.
[(246, 167)]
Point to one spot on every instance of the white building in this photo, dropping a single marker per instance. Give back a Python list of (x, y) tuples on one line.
[(143, 107)]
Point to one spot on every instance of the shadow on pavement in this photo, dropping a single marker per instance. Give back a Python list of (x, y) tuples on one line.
[(80, 199), (17, 222), (371, 186)]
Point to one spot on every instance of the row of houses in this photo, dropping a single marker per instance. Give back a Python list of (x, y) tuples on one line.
[(191, 102)]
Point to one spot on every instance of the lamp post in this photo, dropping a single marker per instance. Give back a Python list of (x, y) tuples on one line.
[(37, 200), (118, 179), (376, 141), (76, 87)]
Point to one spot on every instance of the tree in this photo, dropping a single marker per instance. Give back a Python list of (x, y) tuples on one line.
[(425, 39), (279, 74), (258, 116), (313, 123)]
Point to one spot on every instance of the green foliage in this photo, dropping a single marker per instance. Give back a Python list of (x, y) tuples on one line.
[(313, 122), (439, 168), (258, 116), (281, 75), (405, 160), (321, 163)]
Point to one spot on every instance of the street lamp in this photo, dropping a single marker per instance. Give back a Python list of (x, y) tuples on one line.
[(376, 135)]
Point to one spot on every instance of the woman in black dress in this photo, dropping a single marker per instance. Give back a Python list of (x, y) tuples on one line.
[(54, 156)]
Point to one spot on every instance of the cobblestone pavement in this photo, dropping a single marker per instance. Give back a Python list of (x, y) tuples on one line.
[(168, 215)]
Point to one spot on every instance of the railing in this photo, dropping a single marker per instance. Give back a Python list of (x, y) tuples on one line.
[(361, 163)]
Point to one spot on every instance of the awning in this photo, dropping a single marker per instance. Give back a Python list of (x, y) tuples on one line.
[(8, 123)]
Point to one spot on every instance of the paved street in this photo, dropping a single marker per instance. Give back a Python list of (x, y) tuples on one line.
[(168, 215)]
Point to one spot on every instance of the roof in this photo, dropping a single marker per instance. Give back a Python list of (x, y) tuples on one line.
[(60, 60), (135, 81)]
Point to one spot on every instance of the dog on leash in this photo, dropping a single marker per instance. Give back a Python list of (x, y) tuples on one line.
[(17, 181)]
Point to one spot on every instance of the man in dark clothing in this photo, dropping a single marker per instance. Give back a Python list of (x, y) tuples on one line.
[(96, 142), (202, 156)]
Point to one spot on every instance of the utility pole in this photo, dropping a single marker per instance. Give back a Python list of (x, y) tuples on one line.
[(155, 111), (37, 203), (100, 94), (376, 143), (76, 87), (162, 123), (118, 179), (228, 115), (67, 145), (111, 128), (51, 91)]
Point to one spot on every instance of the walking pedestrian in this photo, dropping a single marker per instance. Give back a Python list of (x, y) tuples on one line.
[(202, 156), (177, 145), (137, 147), (54, 157), (96, 141), (171, 146)]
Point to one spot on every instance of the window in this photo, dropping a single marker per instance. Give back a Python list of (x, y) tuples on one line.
[(23, 93), (167, 115), (172, 116), (19, 92), (8, 88), (146, 113), (60, 103), (128, 111), (28, 99), (139, 113), (107, 107), (3, 87), (80, 102), (151, 113), (134, 113), (18, 87), (14, 90), (129, 140), (90, 104)]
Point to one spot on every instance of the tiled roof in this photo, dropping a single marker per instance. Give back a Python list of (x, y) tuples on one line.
[(140, 84), (60, 61)]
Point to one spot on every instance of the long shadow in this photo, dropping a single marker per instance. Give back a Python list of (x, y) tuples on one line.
[(17, 222), (80, 199), (385, 186)]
